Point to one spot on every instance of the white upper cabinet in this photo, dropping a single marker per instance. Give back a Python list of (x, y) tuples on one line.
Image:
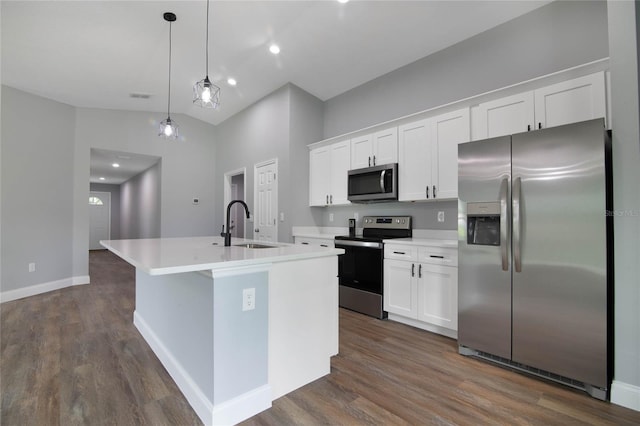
[(328, 168), (505, 116), (571, 101), (385, 146), (375, 149), (448, 130), (428, 156), (414, 160), (361, 151)]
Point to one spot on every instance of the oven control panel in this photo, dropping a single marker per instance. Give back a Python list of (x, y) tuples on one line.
[(387, 222)]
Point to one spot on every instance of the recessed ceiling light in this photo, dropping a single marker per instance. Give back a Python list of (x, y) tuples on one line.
[(101, 178), (116, 165), (343, 1), (274, 48), (231, 81)]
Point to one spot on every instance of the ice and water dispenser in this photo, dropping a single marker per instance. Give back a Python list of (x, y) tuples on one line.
[(483, 223)]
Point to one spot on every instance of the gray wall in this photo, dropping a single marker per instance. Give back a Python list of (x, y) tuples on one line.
[(187, 170), (114, 190), (623, 42), (554, 37), (37, 197), (281, 125), (140, 207)]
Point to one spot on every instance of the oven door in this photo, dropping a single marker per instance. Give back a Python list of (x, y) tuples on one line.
[(360, 266)]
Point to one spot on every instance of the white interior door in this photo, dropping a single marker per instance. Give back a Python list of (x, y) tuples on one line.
[(99, 219), (266, 201)]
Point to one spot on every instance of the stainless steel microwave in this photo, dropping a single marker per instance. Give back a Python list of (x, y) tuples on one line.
[(373, 184)]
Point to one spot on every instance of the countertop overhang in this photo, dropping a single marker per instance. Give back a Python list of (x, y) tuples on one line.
[(160, 256)]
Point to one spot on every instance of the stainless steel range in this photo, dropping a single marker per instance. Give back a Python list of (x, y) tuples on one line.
[(360, 268)]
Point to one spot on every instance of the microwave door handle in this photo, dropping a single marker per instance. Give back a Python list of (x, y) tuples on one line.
[(382, 181), (504, 224)]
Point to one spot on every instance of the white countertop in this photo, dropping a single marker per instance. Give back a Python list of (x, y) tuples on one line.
[(432, 242), (160, 256)]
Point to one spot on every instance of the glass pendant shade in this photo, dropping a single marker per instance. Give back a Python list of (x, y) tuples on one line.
[(206, 94), (168, 129)]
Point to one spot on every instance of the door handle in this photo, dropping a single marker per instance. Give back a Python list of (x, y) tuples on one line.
[(420, 271), (434, 191), (427, 191), (369, 161), (256, 230), (331, 199), (517, 224), (382, 181), (327, 199), (504, 223), (374, 160), (413, 269)]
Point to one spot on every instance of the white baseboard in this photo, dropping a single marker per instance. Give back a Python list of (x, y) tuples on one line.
[(32, 290), (229, 412), (625, 395), (424, 326)]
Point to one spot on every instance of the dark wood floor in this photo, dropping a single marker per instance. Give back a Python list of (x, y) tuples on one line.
[(73, 356)]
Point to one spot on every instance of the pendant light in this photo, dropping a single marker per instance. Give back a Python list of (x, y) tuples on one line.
[(168, 127), (205, 93)]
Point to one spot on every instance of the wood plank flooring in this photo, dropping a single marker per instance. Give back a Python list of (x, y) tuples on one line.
[(73, 357)]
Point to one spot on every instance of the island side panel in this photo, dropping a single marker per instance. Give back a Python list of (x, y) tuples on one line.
[(174, 313), (303, 322)]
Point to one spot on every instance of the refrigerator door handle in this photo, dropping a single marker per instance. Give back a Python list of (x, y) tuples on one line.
[(517, 220), (504, 224)]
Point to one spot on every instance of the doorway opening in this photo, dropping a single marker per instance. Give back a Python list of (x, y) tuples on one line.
[(265, 189), (235, 189)]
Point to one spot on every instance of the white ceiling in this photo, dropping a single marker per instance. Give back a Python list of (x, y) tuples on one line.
[(129, 165), (96, 53)]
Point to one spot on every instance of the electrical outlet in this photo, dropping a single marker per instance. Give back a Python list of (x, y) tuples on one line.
[(32, 267), (248, 299), (330, 217), (441, 216)]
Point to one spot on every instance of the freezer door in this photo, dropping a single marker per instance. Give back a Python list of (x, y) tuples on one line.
[(559, 246), (484, 267)]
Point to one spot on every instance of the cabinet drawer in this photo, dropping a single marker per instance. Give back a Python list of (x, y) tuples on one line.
[(400, 252), (314, 241), (438, 256)]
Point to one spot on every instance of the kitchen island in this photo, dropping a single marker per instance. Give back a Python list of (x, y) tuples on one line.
[(236, 327)]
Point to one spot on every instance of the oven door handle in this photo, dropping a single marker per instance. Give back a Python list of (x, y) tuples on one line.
[(367, 244), (382, 179)]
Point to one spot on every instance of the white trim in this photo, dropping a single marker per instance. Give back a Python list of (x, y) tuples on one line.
[(229, 412), (33, 290), (447, 332), (242, 407), (626, 395), (189, 388)]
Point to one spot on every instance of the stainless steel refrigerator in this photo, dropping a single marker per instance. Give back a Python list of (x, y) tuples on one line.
[(534, 253)]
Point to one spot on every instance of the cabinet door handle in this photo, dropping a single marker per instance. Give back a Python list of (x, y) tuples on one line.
[(434, 191), (419, 271), (369, 161), (528, 127), (413, 269), (304, 243), (323, 245), (436, 257), (331, 199), (399, 252), (539, 125), (374, 160), (427, 191), (327, 199)]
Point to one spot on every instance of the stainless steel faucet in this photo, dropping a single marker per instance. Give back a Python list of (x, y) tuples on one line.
[(227, 235)]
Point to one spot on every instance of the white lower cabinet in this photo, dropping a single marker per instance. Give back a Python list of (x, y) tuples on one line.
[(314, 241), (421, 287)]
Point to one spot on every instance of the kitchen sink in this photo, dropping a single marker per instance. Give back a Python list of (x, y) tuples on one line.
[(254, 246)]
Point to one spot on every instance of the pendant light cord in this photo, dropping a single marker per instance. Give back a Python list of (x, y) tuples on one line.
[(169, 97), (207, 43)]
